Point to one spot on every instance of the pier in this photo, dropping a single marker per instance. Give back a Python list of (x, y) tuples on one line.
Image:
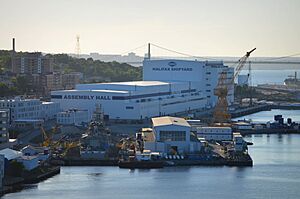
[(263, 107)]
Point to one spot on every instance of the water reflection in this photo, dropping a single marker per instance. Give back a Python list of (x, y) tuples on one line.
[(30, 186), (275, 174), (176, 169), (279, 136), (289, 139), (265, 116), (94, 174)]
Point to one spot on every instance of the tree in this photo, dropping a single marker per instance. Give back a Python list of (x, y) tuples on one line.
[(22, 84), (4, 90)]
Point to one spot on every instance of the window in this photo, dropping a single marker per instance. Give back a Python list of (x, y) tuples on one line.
[(129, 107), (172, 136)]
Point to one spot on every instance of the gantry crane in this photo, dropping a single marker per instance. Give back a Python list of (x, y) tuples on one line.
[(221, 114)]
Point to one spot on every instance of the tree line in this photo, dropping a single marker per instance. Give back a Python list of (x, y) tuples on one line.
[(102, 71), (113, 71)]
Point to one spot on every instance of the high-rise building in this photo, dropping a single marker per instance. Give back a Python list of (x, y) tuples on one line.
[(69, 80), (52, 82), (31, 63)]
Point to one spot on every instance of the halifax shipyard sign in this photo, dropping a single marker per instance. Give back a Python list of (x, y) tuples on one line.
[(172, 68), (87, 97)]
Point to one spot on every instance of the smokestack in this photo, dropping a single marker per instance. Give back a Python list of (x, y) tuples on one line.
[(13, 55), (13, 45), (149, 55)]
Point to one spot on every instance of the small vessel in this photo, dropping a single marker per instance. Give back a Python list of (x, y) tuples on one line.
[(292, 81), (144, 160), (241, 159)]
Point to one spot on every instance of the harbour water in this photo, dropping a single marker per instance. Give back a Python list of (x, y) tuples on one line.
[(275, 174), (265, 116), (270, 76)]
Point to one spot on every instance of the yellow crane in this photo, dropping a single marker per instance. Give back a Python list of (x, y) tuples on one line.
[(46, 139), (221, 114)]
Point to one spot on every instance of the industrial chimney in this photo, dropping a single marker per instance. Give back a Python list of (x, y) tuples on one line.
[(149, 53), (13, 45), (13, 54)]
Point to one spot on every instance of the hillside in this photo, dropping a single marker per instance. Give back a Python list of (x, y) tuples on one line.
[(108, 71)]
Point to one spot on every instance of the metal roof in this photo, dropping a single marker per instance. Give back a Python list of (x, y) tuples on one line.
[(10, 154), (167, 120), (139, 83), (89, 90)]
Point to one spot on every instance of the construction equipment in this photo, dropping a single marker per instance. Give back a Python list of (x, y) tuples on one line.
[(46, 139), (221, 114), (71, 148)]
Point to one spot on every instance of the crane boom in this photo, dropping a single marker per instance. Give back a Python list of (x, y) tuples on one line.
[(241, 64), (221, 114)]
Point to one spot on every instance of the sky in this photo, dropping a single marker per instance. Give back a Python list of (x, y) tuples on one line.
[(196, 27)]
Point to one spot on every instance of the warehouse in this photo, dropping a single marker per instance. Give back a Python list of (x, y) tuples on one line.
[(168, 87), (170, 135)]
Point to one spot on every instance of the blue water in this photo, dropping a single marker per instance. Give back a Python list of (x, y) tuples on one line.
[(265, 116), (270, 76), (275, 174)]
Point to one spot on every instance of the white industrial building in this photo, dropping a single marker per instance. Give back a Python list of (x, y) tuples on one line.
[(20, 109), (72, 117), (49, 110), (238, 142), (170, 135), (168, 87), (215, 133)]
